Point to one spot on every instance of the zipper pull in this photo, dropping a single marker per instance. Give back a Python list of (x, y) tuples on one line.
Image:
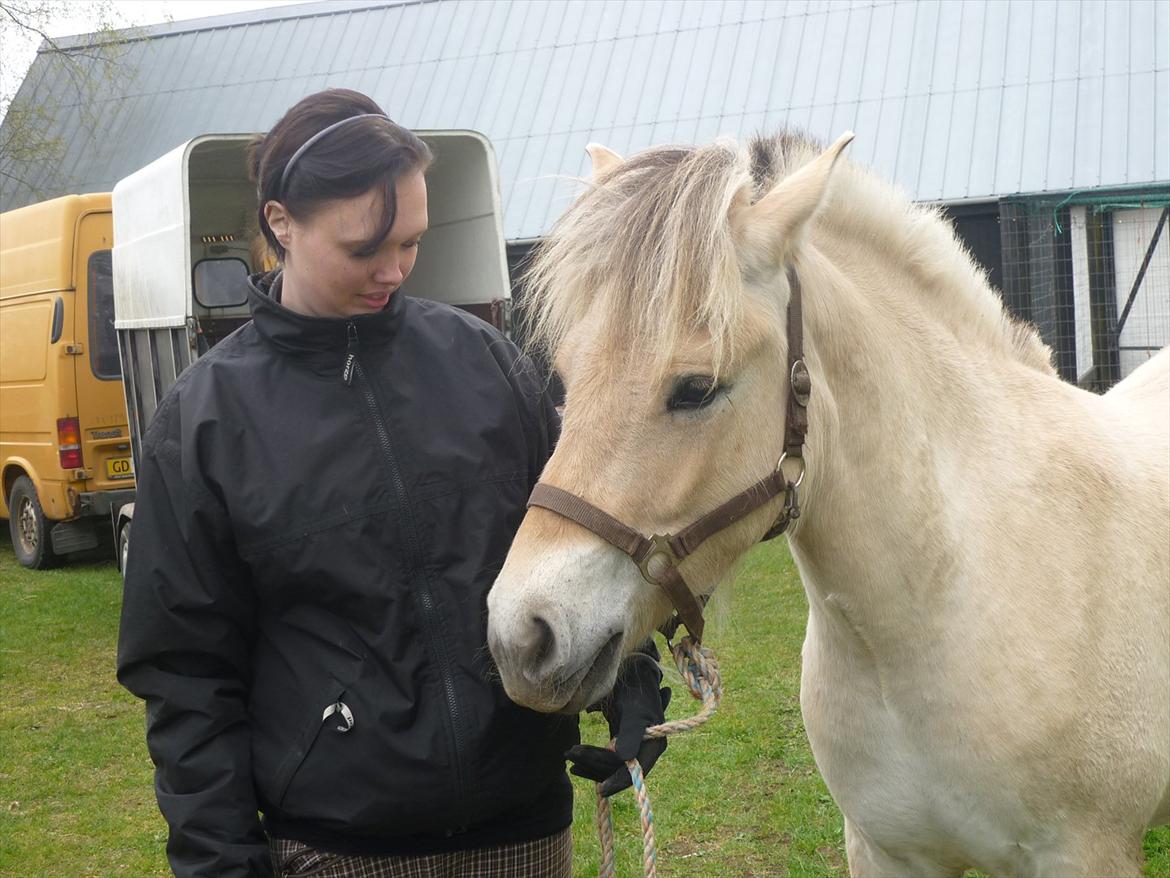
[(351, 347)]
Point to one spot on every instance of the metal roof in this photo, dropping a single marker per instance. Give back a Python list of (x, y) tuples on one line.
[(954, 100)]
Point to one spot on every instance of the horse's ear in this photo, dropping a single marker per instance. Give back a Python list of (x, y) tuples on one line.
[(604, 159), (769, 226)]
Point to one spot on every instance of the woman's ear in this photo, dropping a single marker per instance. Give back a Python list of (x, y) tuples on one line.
[(279, 221)]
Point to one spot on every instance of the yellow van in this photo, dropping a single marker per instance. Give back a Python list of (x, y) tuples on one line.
[(65, 457)]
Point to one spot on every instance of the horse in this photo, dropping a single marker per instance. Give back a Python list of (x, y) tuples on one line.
[(985, 548)]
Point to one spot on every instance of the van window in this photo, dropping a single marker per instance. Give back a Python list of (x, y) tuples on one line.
[(103, 341), (220, 283)]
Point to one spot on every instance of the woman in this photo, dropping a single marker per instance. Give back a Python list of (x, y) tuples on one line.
[(323, 501)]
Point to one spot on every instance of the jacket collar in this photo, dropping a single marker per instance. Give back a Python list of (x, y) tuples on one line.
[(322, 339)]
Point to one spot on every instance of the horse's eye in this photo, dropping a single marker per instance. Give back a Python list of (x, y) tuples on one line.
[(692, 392)]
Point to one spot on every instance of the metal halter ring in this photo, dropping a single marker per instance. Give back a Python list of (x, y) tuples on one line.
[(780, 465), (662, 548)]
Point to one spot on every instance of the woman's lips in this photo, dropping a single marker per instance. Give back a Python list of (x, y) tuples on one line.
[(377, 300)]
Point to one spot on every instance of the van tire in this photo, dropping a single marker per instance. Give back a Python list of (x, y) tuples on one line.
[(29, 528), (123, 548)]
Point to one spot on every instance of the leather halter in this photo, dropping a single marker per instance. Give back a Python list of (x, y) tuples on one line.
[(659, 556)]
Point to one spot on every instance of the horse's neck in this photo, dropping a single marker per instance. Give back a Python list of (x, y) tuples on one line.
[(902, 439)]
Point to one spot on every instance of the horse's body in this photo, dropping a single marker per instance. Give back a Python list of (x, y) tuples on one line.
[(985, 549)]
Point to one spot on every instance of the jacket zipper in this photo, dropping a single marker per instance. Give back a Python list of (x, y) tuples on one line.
[(432, 624)]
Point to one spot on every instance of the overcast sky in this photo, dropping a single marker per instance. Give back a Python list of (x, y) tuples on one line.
[(18, 50)]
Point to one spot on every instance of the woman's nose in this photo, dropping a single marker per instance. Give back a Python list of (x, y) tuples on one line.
[(389, 272)]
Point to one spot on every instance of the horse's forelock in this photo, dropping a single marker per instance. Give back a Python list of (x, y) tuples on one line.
[(650, 246)]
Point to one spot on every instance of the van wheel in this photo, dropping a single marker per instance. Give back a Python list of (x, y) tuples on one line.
[(29, 529), (123, 547)]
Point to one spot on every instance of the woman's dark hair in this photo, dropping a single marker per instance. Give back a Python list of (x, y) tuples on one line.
[(368, 153)]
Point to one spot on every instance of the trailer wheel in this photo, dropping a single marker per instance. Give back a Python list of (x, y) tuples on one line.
[(123, 547), (29, 528)]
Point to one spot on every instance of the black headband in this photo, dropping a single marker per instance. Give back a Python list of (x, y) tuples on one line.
[(308, 143)]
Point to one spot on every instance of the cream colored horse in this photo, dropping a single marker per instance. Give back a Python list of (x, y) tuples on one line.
[(985, 549)]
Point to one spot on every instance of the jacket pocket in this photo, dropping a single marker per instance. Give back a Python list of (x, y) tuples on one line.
[(334, 717)]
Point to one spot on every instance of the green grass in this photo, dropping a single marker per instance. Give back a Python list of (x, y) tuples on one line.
[(741, 796), (75, 781)]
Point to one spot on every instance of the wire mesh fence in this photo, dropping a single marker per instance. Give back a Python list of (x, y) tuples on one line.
[(1092, 272)]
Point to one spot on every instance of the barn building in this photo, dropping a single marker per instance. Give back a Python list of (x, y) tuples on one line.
[(1043, 127)]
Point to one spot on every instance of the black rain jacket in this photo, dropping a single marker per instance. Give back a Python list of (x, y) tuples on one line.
[(322, 507)]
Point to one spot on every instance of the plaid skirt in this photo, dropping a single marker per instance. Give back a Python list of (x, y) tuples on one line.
[(549, 857)]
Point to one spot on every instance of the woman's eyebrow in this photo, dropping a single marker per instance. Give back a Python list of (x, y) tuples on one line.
[(357, 243), (354, 242)]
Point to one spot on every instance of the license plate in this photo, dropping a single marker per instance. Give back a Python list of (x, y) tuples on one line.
[(120, 468)]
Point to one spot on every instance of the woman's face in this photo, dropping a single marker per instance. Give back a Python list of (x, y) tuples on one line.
[(323, 276)]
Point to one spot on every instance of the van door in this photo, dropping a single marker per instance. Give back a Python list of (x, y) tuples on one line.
[(101, 405)]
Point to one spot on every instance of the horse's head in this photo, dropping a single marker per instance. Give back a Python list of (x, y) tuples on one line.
[(661, 295)]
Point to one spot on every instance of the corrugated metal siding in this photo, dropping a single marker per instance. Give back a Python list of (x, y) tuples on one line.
[(953, 100)]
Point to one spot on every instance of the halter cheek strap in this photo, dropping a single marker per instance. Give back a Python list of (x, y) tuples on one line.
[(658, 557)]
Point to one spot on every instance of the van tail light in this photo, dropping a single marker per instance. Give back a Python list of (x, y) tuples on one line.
[(69, 442)]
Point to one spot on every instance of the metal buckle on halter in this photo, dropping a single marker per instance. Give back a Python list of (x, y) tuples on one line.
[(800, 381), (661, 549), (790, 511)]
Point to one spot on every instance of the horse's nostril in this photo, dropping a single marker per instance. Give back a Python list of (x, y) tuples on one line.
[(541, 645)]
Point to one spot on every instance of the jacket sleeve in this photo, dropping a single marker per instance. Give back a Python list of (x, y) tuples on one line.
[(188, 617)]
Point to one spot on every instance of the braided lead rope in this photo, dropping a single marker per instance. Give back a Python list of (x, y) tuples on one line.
[(699, 668), (604, 819), (646, 815)]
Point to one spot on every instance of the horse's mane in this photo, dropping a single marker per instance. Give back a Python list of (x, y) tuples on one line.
[(651, 246)]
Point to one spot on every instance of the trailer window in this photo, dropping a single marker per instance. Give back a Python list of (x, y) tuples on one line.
[(220, 283), (103, 341)]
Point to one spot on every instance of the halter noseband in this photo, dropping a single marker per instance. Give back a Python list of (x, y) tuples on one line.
[(659, 556)]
